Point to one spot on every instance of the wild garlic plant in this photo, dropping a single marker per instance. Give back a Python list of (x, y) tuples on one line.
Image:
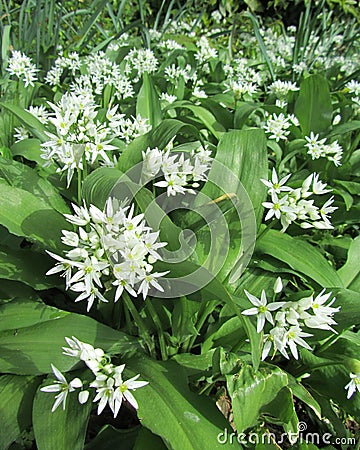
[(181, 174), (291, 205), (109, 386), (290, 319), (111, 248)]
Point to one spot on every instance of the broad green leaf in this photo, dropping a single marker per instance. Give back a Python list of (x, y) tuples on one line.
[(16, 394), (184, 420), (300, 256), (110, 438), (31, 350), (282, 407), (25, 214), (242, 113), (148, 440), (349, 313), (340, 130), (205, 117), (12, 289), (300, 392), (349, 272), (25, 266), (229, 335), (23, 177), (29, 149), (244, 153), (158, 137), (61, 429), (222, 115), (27, 119), (250, 391), (313, 107), (189, 275), (20, 313), (329, 381), (99, 184), (148, 104), (103, 182)]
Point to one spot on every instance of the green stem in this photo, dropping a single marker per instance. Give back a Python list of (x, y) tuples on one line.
[(203, 314), (84, 164), (318, 366), (79, 187), (330, 341), (156, 320), (140, 323)]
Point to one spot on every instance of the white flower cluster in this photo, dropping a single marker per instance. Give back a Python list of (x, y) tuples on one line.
[(113, 245), (205, 52), (353, 385), (317, 148), (110, 387), (353, 87), (277, 126), (180, 174), (126, 128), (40, 113), (93, 73), (293, 205), (79, 137), (20, 134), (281, 90), (242, 79), (291, 317), (169, 45), (21, 66), (174, 73), (140, 61)]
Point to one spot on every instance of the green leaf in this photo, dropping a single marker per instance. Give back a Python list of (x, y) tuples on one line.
[(205, 117), (300, 256), (349, 272), (24, 214), (110, 438), (148, 440), (27, 119), (234, 179), (29, 149), (61, 429), (282, 407), (300, 392), (104, 181), (313, 107), (184, 420), (242, 113), (244, 153), (349, 313), (198, 278), (340, 130), (17, 394), (99, 184), (23, 177), (330, 381), (20, 313), (148, 104), (31, 350), (251, 390), (19, 266)]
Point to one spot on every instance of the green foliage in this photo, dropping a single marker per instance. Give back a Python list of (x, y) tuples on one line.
[(254, 189)]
